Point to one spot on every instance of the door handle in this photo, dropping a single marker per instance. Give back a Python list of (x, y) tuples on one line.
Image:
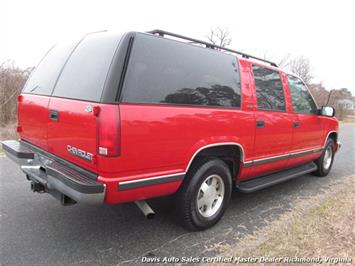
[(53, 115), (260, 124), (296, 124)]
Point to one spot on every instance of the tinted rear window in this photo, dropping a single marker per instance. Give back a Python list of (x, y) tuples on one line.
[(269, 90), (84, 74), (163, 71), (44, 76)]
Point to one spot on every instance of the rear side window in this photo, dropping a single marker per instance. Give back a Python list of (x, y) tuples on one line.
[(84, 75), (44, 76), (302, 101), (163, 71), (269, 91)]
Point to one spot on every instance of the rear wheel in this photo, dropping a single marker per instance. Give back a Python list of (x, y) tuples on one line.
[(325, 162), (203, 197)]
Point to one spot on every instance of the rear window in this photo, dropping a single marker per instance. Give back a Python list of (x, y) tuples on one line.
[(84, 74), (163, 71), (44, 76), (269, 90)]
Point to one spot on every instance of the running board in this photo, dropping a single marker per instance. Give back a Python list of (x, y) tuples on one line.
[(258, 183)]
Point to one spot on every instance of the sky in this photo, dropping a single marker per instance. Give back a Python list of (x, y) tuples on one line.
[(322, 31)]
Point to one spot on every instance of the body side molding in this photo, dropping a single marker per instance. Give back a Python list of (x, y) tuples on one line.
[(283, 156), (125, 185), (131, 184)]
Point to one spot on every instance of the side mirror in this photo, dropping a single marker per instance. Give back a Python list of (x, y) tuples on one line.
[(327, 111)]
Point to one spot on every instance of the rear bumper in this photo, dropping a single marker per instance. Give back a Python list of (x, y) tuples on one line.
[(55, 177)]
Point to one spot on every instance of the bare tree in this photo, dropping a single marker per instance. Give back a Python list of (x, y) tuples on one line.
[(301, 67), (220, 37), (284, 62), (12, 80), (319, 92), (338, 101)]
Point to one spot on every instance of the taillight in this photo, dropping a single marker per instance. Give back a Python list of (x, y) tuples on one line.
[(19, 100), (108, 131)]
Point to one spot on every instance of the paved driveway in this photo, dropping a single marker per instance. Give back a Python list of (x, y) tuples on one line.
[(36, 230)]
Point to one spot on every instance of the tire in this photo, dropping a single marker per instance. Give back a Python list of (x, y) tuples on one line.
[(204, 195), (325, 161)]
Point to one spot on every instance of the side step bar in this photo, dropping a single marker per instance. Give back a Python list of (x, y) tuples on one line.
[(262, 182)]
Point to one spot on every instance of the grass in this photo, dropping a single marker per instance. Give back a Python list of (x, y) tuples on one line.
[(8, 132), (323, 226)]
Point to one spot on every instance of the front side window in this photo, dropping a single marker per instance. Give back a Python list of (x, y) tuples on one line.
[(269, 91), (163, 71), (302, 101)]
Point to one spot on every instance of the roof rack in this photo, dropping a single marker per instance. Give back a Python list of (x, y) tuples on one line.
[(162, 33)]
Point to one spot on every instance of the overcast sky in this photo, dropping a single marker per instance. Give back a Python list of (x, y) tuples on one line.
[(323, 31)]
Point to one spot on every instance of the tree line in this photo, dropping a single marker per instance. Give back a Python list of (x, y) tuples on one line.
[(300, 66), (13, 78)]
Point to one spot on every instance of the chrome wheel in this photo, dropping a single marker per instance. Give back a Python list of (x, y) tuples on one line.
[(328, 157), (210, 196)]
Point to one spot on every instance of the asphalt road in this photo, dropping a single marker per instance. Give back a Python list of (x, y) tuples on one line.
[(37, 230)]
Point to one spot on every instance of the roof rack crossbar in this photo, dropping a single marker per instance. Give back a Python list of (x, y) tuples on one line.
[(209, 45)]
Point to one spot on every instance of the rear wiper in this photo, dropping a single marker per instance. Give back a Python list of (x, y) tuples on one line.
[(34, 88)]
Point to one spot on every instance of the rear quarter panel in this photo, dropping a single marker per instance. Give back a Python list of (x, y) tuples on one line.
[(158, 138)]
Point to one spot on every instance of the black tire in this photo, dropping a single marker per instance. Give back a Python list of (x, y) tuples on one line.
[(320, 162), (186, 198)]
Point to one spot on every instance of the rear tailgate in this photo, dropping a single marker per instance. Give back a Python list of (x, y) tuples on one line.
[(72, 132), (72, 129)]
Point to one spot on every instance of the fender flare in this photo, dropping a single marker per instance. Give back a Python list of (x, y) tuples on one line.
[(240, 147)]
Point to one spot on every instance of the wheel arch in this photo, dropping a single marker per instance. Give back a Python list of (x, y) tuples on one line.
[(333, 135), (232, 153)]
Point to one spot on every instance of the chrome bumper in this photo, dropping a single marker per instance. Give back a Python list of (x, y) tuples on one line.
[(53, 176)]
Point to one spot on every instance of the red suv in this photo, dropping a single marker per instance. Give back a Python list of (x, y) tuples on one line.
[(113, 118)]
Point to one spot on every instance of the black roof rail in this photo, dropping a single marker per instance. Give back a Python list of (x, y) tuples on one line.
[(162, 33)]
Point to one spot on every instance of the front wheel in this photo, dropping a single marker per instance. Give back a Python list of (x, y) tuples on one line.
[(325, 162), (204, 195)]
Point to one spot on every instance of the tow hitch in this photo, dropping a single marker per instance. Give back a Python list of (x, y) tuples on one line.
[(37, 187)]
